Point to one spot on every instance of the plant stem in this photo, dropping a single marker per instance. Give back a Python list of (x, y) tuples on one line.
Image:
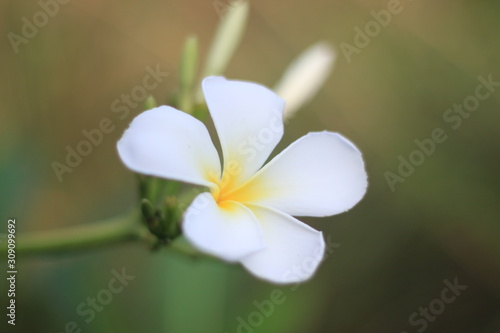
[(113, 230)]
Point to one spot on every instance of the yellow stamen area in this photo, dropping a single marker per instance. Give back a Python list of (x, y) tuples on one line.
[(227, 192)]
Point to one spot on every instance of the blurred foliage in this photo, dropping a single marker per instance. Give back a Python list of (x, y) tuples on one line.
[(396, 247)]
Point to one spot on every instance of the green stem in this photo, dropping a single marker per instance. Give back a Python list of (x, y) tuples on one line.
[(100, 233)]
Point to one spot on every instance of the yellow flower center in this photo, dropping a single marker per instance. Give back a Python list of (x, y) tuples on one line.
[(228, 191), (223, 189)]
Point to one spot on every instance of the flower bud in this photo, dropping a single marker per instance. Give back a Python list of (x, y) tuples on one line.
[(305, 76), (150, 103), (187, 73), (227, 38)]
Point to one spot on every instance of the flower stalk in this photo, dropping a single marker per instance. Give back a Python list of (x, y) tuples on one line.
[(105, 232)]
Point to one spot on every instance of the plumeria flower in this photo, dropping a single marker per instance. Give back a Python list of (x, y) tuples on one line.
[(247, 216)]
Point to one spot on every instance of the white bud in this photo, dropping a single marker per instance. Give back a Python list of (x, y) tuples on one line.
[(227, 38), (305, 76)]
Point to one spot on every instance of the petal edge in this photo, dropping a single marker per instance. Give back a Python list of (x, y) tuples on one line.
[(168, 143), (294, 249)]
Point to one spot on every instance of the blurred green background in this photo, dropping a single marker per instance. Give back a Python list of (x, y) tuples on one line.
[(396, 247)]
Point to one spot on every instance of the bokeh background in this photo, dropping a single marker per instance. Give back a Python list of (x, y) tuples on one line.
[(396, 247)]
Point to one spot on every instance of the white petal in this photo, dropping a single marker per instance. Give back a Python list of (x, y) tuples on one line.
[(294, 250), (320, 174), (249, 121), (230, 231), (165, 142)]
